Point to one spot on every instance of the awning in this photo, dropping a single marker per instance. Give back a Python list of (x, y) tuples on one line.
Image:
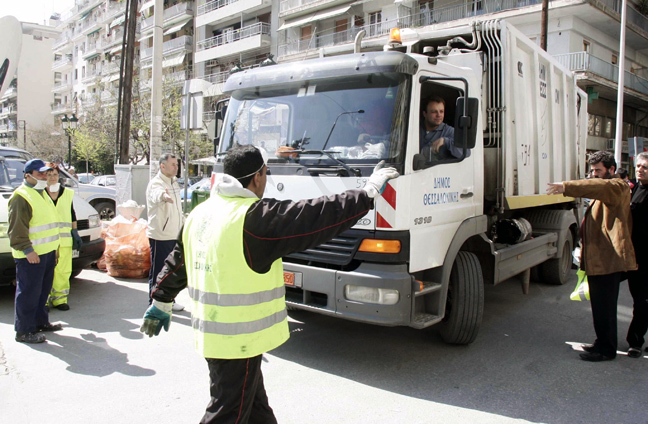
[(120, 20), (177, 27), (173, 60), (147, 36), (147, 4), (89, 58), (317, 16), (110, 78), (116, 49), (96, 30)]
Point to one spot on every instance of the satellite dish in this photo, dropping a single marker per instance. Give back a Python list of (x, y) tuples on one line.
[(11, 34)]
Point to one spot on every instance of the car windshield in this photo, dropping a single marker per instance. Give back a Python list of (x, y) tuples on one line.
[(361, 119), (15, 167)]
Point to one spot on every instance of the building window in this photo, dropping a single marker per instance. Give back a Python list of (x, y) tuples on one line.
[(615, 59), (375, 19), (340, 31), (586, 46)]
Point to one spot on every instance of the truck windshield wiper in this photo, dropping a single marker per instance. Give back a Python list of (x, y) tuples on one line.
[(329, 153)]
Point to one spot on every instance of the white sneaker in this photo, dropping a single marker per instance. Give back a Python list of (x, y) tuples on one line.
[(177, 307)]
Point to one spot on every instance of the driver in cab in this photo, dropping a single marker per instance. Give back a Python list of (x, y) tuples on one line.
[(437, 137)]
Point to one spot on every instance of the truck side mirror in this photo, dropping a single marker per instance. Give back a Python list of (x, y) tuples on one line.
[(466, 126)]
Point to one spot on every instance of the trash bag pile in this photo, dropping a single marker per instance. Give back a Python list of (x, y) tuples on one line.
[(127, 253)]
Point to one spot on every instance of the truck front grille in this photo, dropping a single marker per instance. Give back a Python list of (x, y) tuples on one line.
[(338, 251), (83, 224)]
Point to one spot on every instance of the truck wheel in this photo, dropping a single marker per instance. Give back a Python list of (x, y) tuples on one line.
[(465, 301), (75, 273), (106, 210), (556, 271)]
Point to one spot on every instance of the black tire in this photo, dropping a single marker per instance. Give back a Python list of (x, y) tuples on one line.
[(465, 301), (557, 270), (75, 273), (106, 210)]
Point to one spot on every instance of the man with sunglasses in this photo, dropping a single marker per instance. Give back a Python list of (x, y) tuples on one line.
[(229, 255)]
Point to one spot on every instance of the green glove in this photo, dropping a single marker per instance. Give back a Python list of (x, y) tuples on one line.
[(158, 315)]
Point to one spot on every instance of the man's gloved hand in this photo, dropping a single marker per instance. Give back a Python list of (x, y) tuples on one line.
[(77, 242), (158, 315), (378, 179)]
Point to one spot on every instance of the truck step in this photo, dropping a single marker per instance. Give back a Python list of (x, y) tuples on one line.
[(424, 320), (428, 287)]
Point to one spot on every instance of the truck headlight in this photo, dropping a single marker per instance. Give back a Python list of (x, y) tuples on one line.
[(371, 295), (4, 228), (94, 221)]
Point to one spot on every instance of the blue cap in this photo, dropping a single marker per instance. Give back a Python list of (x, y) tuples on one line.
[(36, 165)]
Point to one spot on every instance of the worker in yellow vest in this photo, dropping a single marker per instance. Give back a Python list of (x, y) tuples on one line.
[(233, 244), (34, 239), (62, 197)]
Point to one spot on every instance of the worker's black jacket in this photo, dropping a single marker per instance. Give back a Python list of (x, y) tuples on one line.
[(273, 229)]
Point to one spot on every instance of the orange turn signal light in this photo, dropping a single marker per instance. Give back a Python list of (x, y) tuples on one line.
[(394, 36), (380, 246)]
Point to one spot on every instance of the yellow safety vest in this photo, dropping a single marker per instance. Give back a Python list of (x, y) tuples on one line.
[(237, 313), (64, 209), (43, 226)]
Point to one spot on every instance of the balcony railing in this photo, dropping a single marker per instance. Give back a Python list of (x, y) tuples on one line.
[(61, 85), (287, 5), (61, 107), (91, 76), (216, 78), (59, 63), (185, 42), (233, 36), (585, 62), (9, 92), (426, 17), (213, 5), (170, 13), (63, 39)]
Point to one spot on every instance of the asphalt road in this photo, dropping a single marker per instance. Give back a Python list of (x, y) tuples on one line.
[(523, 367)]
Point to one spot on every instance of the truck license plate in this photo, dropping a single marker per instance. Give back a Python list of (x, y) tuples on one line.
[(75, 254), (289, 278)]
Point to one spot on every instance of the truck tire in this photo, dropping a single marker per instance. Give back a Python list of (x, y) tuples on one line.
[(75, 273), (465, 301), (106, 210), (556, 271)]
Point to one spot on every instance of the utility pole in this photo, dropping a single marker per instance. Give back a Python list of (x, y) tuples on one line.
[(155, 149), (126, 79), (618, 138), (544, 25)]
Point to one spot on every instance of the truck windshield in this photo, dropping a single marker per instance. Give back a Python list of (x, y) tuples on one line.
[(360, 119), (5, 180)]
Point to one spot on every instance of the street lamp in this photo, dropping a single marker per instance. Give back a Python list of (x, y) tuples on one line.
[(69, 125)]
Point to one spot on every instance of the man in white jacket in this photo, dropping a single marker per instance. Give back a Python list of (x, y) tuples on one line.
[(165, 217)]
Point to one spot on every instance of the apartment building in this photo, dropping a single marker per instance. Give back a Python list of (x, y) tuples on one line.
[(26, 104)]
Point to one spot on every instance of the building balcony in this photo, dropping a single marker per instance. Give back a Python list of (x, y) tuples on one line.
[(233, 42), (604, 76), (93, 49), (168, 80), (7, 111), (62, 63), (12, 91), (174, 14), (216, 11), (291, 7), (61, 86), (91, 77), (184, 43), (59, 108), (64, 39)]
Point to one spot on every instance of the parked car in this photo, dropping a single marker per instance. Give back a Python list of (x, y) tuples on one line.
[(88, 224), (204, 184), (101, 198), (85, 178), (104, 181)]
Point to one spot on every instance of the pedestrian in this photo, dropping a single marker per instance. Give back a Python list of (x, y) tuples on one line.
[(233, 243), (62, 198), (638, 280), (623, 174), (165, 217), (607, 252), (34, 239)]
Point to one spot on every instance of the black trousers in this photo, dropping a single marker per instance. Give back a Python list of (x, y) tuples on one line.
[(237, 393), (638, 284), (604, 294), (160, 249), (33, 286)]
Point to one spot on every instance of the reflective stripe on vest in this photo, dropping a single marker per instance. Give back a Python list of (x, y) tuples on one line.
[(236, 312), (43, 226), (64, 209)]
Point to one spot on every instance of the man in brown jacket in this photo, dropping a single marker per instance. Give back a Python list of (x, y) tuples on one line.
[(607, 251)]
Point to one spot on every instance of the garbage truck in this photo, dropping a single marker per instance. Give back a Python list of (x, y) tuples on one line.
[(449, 224)]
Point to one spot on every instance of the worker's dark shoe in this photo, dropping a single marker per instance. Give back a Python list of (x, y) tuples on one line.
[(588, 347), (49, 327), (594, 357), (63, 307), (30, 338), (633, 352)]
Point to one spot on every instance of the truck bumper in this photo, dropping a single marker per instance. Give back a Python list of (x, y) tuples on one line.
[(323, 291), (7, 269), (90, 253)]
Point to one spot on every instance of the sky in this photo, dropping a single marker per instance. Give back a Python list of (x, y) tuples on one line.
[(36, 11)]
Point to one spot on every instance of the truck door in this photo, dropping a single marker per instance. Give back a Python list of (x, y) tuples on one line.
[(443, 187)]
